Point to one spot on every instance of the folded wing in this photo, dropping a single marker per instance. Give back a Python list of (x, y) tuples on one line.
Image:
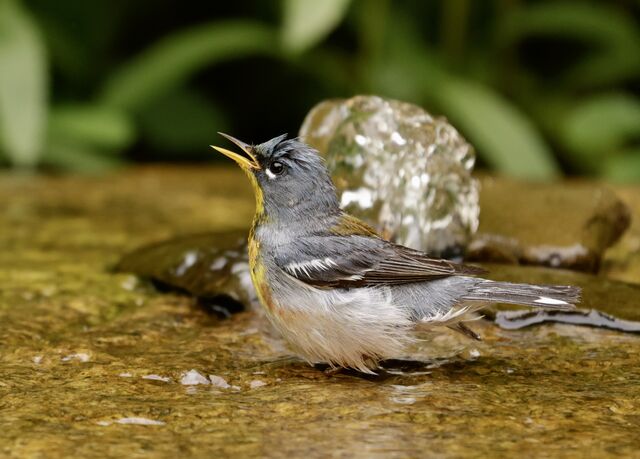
[(358, 261)]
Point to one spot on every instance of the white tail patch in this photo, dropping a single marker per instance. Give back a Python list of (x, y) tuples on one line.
[(550, 301)]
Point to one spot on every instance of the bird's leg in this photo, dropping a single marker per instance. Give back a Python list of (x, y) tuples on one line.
[(460, 327), (332, 371), (327, 369)]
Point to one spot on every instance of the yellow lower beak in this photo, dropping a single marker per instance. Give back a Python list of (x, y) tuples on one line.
[(245, 163), (241, 160)]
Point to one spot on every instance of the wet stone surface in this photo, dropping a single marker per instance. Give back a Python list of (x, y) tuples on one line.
[(622, 261), (557, 225), (213, 267), (97, 364)]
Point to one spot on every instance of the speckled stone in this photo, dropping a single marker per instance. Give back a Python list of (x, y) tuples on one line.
[(403, 170)]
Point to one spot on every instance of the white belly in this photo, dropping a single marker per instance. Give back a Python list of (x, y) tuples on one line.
[(352, 328)]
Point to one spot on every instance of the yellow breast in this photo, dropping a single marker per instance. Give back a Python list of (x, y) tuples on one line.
[(258, 275)]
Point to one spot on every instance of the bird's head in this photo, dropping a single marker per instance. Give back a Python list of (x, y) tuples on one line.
[(289, 177)]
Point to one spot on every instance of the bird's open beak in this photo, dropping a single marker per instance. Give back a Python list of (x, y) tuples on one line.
[(245, 163)]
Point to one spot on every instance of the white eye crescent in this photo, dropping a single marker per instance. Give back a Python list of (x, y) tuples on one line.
[(275, 168)]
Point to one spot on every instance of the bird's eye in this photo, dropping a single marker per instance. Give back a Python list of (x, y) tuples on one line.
[(276, 168)]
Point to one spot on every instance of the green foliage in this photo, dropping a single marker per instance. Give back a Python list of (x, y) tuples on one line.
[(599, 127), (87, 137), (532, 84), (611, 36), (171, 61), (509, 140), (307, 22), (624, 167), (104, 127), (506, 138), (190, 119), (23, 86)]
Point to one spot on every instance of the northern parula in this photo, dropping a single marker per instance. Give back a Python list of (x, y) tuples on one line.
[(338, 292)]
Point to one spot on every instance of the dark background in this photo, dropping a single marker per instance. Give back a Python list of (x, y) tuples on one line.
[(541, 88)]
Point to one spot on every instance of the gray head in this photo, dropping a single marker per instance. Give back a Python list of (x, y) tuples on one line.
[(289, 177)]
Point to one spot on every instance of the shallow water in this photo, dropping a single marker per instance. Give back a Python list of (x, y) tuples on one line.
[(97, 364)]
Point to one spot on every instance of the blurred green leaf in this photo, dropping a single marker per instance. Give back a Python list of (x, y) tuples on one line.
[(306, 22), (99, 126), (404, 68), (173, 59), (605, 69), (624, 167), (23, 84), (66, 54), (601, 125), (371, 27), (181, 121), (504, 137), (332, 69), (598, 24), (78, 157), (612, 36), (86, 138), (454, 27)]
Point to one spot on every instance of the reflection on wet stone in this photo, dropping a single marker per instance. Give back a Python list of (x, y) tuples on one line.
[(399, 168), (515, 320)]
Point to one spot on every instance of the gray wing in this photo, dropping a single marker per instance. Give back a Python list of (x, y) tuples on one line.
[(357, 261)]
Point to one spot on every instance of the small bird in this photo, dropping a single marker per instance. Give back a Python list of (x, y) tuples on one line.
[(338, 292)]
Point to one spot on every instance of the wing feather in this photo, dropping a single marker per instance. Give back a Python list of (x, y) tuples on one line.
[(361, 260)]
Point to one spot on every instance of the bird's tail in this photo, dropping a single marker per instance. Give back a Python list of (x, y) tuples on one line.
[(561, 297)]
